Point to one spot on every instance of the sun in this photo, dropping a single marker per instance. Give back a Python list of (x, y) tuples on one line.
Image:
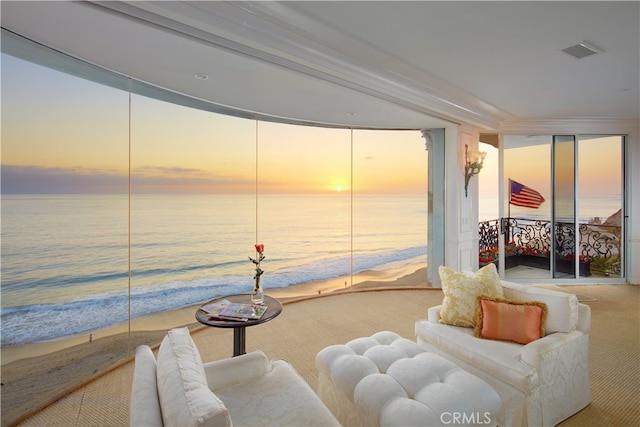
[(338, 184)]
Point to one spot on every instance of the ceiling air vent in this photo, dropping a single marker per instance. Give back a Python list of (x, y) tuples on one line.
[(581, 50)]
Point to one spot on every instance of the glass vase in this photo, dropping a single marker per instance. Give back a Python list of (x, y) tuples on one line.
[(257, 295)]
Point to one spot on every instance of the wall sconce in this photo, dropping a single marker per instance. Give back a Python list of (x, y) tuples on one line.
[(472, 165)]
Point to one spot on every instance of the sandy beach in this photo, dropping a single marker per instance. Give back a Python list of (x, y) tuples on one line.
[(33, 374)]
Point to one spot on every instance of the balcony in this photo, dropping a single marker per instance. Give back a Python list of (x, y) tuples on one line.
[(528, 241)]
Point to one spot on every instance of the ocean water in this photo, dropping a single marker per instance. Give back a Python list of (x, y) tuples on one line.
[(65, 258), (596, 206)]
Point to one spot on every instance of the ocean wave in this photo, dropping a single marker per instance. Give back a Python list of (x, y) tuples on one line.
[(87, 313), (98, 277)]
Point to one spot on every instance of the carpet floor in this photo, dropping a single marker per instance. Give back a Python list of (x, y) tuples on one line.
[(306, 327)]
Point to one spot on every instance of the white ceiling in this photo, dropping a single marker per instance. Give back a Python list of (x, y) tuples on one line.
[(393, 64)]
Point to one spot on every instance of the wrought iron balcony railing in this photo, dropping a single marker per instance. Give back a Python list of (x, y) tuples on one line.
[(599, 244)]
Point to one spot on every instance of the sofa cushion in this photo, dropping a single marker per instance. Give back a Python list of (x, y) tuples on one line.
[(145, 406), (280, 398), (505, 320), (562, 307), (498, 359), (461, 290), (236, 370), (184, 395)]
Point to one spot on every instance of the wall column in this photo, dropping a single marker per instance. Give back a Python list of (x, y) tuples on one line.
[(435, 146), (461, 235)]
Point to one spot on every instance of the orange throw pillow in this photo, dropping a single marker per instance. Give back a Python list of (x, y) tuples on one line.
[(500, 319)]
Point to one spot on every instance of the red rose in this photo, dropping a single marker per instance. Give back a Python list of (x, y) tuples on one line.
[(259, 248)]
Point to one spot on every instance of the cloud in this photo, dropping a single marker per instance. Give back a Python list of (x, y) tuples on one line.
[(164, 170), (146, 179), (43, 180)]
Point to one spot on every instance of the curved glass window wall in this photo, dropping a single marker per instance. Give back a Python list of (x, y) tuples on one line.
[(122, 213)]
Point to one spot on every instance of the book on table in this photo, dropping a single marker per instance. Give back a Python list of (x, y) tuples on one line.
[(227, 310)]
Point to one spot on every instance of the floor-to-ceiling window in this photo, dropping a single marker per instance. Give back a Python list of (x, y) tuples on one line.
[(600, 189), (120, 213), (389, 203), (64, 229)]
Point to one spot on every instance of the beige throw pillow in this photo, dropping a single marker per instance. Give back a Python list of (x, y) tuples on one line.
[(461, 291)]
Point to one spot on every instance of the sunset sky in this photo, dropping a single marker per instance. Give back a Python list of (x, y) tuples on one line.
[(64, 134)]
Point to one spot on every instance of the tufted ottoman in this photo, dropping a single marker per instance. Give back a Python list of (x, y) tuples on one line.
[(389, 380)]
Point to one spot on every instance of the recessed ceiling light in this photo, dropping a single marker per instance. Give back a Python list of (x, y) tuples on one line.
[(201, 76), (581, 50)]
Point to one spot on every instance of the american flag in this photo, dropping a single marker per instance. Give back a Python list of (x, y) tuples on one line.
[(521, 195)]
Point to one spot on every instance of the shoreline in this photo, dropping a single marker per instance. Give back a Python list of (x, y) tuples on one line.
[(410, 275), (35, 374)]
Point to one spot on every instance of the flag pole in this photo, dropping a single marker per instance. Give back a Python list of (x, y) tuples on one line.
[(510, 192), (507, 227)]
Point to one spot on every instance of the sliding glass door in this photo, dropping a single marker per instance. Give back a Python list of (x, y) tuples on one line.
[(563, 190), (600, 206), (562, 207), (526, 221)]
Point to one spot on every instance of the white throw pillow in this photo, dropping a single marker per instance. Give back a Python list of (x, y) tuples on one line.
[(145, 406), (461, 291), (562, 307), (184, 394)]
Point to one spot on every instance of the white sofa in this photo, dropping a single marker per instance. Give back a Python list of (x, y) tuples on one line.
[(387, 380), (179, 390), (540, 383)]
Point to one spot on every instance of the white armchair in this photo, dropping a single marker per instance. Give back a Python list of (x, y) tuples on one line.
[(180, 390), (540, 383)]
